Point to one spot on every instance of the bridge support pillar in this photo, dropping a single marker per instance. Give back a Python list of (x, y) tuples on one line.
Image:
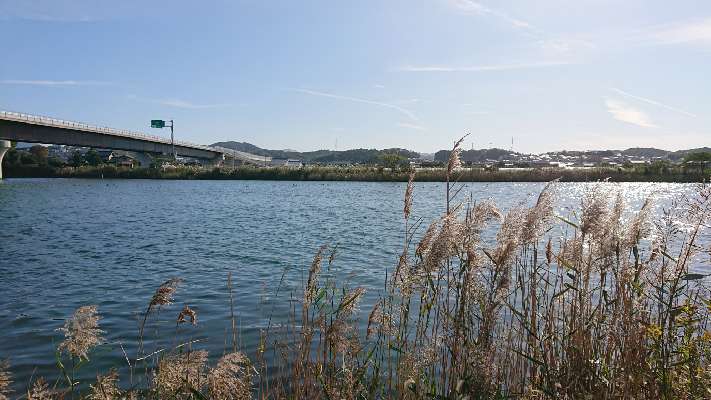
[(217, 161), (5, 145)]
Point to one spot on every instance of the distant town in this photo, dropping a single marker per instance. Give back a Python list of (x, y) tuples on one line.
[(59, 156)]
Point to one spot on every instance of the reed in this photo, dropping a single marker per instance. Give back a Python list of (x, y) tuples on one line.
[(599, 304)]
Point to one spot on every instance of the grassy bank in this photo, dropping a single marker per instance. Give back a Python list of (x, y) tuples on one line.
[(605, 306), (368, 174)]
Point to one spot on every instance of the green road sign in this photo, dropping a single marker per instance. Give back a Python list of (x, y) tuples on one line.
[(157, 123)]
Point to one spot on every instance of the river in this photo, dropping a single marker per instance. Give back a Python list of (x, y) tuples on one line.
[(70, 242)]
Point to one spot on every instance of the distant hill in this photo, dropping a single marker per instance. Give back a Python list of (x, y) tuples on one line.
[(650, 152), (361, 156), (645, 152), (367, 156)]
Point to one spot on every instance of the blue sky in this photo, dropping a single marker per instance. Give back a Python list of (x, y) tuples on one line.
[(305, 75)]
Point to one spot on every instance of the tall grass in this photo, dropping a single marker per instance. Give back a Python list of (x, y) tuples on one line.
[(599, 304)]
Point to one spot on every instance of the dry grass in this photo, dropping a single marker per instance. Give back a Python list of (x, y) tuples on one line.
[(5, 380), (105, 387), (81, 332), (600, 304), (40, 391)]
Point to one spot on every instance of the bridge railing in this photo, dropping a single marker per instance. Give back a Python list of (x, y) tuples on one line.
[(60, 123)]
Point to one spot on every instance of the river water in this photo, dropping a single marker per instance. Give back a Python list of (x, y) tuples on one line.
[(68, 243)]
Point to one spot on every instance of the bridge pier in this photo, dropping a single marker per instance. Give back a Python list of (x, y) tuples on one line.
[(5, 145)]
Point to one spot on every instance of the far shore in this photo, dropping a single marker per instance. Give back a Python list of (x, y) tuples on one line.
[(365, 174)]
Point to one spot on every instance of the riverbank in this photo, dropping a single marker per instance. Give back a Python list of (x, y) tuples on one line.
[(364, 174)]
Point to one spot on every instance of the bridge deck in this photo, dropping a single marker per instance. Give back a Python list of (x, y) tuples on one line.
[(71, 133), (79, 126)]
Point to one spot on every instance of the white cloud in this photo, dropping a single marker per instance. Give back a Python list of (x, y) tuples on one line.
[(397, 108), (476, 8), (178, 103), (51, 83), (626, 113), (378, 86), (411, 126), (482, 68), (653, 102), (698, 31)]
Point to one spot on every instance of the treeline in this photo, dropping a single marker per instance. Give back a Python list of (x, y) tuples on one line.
[(367, 174), (38, 156)]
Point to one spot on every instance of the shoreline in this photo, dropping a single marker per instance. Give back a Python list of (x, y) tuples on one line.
[(361, 174)]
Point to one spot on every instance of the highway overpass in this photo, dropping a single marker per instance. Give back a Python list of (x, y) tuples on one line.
[(39, 129)]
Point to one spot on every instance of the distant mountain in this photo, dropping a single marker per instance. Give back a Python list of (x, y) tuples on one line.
[(362, 156)]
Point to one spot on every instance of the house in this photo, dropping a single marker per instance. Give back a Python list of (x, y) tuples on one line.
[(284, 162)]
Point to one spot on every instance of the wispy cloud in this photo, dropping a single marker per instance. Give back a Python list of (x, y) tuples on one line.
[(476, 8), (653, 102), (395, 107), (51, 82), (411, 126), (542, 39), (482, 68), (626, 113), (379, 86), (697, 31), (178, 103)]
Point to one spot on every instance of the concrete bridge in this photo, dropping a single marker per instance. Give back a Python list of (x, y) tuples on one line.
[(38, 129)]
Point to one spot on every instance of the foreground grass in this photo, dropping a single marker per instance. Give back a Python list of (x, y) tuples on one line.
[(609, 310), (365, 173)]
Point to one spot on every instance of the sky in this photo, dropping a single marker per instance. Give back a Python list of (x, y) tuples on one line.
[(538, 76)]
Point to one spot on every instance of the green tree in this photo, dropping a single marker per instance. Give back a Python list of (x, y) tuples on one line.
[(702, 156), (92, 157), (27, 158), (55, 162), (76, 160), (660, 167), (40, 153), (391, 160), (12, 158)]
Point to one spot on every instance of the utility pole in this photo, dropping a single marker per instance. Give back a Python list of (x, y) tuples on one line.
[(172, 141)]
